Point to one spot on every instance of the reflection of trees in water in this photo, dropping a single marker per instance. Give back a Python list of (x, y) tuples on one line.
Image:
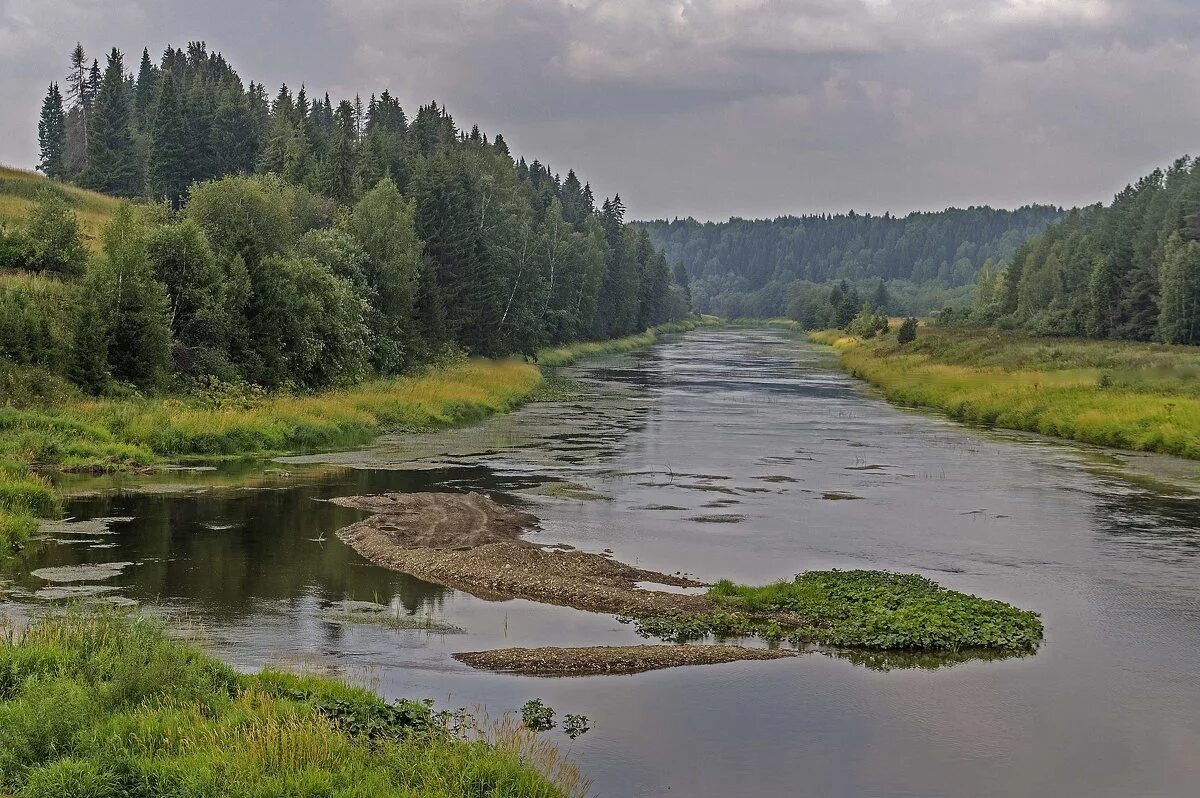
[(275, 539), (919, 660), (227, 549), (1156, 524)]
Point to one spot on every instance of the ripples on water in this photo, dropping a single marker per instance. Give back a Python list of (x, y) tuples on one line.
[(762, 432)]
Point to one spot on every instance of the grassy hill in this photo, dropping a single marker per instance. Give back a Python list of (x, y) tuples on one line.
[(18, 189)]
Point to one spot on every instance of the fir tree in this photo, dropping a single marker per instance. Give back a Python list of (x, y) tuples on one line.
[(78, 88), (168, 167), (144, 94), (112, 166), (52, 134)]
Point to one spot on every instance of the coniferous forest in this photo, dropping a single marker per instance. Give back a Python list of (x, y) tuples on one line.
[(1130, 270), (289, 240), (757, 267)]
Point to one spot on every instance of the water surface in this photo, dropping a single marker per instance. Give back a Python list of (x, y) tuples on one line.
[(743, 454)]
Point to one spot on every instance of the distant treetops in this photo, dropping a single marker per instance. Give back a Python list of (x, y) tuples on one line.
[(753, 267), (298, 242)]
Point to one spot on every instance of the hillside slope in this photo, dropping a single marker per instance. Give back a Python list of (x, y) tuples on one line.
[(18, 189)]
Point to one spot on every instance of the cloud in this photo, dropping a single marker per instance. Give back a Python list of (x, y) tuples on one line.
[(717, 107)]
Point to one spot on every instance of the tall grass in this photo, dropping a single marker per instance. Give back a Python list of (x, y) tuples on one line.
[(1128, 395), (107, 705), (23, 497), (107, 434)]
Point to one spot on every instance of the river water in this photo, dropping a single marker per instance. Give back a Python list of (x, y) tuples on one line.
[(741, 454)]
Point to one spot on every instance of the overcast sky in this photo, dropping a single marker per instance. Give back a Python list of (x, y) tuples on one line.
[(711, 107)]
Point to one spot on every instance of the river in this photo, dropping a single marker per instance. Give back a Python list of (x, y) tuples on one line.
[(720, 453)]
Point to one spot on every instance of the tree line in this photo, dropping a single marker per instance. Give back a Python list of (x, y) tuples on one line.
[(1130, 270), (746, 267), (297, 243)]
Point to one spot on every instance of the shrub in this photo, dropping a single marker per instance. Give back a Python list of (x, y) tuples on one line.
[(908, 331), (56, 241)]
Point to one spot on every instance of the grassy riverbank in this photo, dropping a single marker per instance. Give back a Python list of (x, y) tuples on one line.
[(74, 433), (113, 706), (1139, 396), (568, 354), (83, 434)]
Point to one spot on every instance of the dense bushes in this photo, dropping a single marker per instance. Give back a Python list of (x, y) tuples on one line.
[(37, 320)]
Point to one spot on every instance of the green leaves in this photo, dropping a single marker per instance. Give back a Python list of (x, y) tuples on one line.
[(882, 610)]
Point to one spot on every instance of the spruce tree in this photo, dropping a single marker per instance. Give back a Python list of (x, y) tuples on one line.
[(78, 88), (144, 94), (168, 167), (337, 172), (234, 132), (52, 134), (112, 161)]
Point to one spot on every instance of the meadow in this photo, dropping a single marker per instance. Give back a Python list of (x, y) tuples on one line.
[(90, 434), (109, 705), (19, 189), (1122, 394)]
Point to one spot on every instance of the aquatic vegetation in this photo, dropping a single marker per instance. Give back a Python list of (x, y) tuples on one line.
[(370, 613), (111, 705), (537, 716), (1127, 395), (875, 610), (569, 490)]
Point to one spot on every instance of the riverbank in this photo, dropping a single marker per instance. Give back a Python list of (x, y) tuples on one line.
[(108, 705), (76, 433), (1126, 395), (568, 354)]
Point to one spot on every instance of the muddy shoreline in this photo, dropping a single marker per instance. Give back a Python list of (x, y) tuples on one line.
[(610, 660), (469, 542)]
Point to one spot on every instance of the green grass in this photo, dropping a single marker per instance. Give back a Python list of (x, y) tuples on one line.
[(1128, 395), (111, 434), (869, 610), (73, 433), (24, 497), (19, 189), (107, 705)]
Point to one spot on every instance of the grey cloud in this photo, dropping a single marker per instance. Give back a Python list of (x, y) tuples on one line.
[(716, 107)]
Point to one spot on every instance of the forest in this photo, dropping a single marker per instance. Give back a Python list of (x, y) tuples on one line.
[(1130, 270), (747, 267), (296, 243)]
